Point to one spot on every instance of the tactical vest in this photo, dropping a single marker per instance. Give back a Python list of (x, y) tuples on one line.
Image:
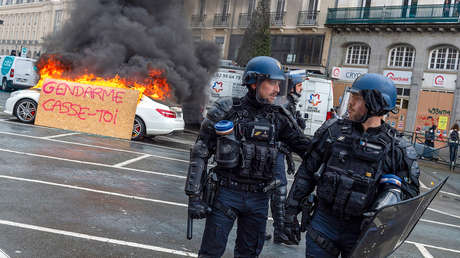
[(251, 151), (349, 180)]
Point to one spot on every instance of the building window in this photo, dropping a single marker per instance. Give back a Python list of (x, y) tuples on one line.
[(402, 101), (220, 40), (444, 58), (357, 54), (298, 49), (401, 56), (57, 20)]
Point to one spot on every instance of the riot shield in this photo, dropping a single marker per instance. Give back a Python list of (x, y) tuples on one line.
[(391, 225)]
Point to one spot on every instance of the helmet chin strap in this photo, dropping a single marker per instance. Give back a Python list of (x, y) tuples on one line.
[(295, 96)]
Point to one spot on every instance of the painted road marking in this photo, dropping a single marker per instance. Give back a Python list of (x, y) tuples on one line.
[(141, 143), (94, 191), (93, 146), (3, 254), (423, 250), (445, 213), (440, 223), (58, 135), (149, 199), (435, 247), (134, 152), (122, 164), (93, 164), (185, 205), (96, 238)]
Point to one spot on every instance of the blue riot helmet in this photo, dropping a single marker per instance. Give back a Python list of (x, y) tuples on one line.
[(262, 68), (294, 78), (379, 94)]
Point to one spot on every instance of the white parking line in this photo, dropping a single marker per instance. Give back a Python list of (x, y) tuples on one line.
[(94, 191), (96, 238), (440, 223), (185, 205), (93, 164), (58, 135), (124, 163), (149, 199), (423, 250), (445, 213), (141, 143), (3, 254), (93, 146), (434, 247)]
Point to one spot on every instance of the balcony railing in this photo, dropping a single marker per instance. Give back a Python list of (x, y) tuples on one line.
[(244, 20), (277, 19), (221, 20), (198, 21), (395, 14), (307, 18)]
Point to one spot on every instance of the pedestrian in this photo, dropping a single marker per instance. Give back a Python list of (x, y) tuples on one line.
[(357, 165), (278, 198), (244, 139), (453, 144), (430, 136)]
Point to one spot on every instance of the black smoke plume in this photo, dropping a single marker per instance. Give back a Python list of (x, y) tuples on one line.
[(128, 38)]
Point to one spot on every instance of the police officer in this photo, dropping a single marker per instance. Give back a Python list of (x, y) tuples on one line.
[(278, 198), (244, 139), (357, 165)]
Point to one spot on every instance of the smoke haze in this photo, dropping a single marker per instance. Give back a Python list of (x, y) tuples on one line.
[(129, 37)]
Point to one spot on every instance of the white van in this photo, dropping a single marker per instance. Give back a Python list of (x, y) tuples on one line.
[(18, 72), (315, 103), (227, 83)]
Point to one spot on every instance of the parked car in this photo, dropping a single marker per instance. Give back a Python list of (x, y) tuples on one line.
[(18, 72), (152, 117)]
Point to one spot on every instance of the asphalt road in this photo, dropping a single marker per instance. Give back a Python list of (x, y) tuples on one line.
[(67, 194)]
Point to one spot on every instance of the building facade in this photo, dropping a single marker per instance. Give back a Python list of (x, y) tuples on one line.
[(414, 43), (299, 37), (27, 22)]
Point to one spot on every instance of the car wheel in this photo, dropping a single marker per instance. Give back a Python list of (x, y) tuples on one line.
[(25, 110), (4, 85), (138, 129)]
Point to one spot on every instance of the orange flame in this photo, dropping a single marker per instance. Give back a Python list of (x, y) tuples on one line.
[(154, 86)]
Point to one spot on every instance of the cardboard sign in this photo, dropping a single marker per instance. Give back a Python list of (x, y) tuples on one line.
[(87, 108), (442, 122)]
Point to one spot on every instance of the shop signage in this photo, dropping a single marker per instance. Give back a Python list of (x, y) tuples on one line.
[(439, 81), (398, 77), (347, 73)]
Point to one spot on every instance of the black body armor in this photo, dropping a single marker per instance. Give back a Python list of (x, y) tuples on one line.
[(349, 181), (250, 152)]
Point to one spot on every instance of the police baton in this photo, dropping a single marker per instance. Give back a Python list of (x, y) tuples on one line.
[(189, 227)]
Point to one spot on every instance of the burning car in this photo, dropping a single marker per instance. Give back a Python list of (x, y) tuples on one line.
[(152, 117)]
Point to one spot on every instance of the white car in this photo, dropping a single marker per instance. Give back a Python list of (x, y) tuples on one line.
[(152, 118)]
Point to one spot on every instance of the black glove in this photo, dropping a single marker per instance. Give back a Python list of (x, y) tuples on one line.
[(197, 209), (292, 228)]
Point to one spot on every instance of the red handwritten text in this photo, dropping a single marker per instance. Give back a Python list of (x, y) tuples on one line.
[(72, 109), (62, 89)]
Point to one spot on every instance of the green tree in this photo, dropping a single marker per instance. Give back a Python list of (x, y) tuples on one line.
[(256, 40)]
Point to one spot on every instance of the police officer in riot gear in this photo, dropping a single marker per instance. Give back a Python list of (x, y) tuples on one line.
[(278, 198), (357, 164), (244, 138)]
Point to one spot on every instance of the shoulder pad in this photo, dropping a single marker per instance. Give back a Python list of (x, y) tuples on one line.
[(326, 125), (219, 109)]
